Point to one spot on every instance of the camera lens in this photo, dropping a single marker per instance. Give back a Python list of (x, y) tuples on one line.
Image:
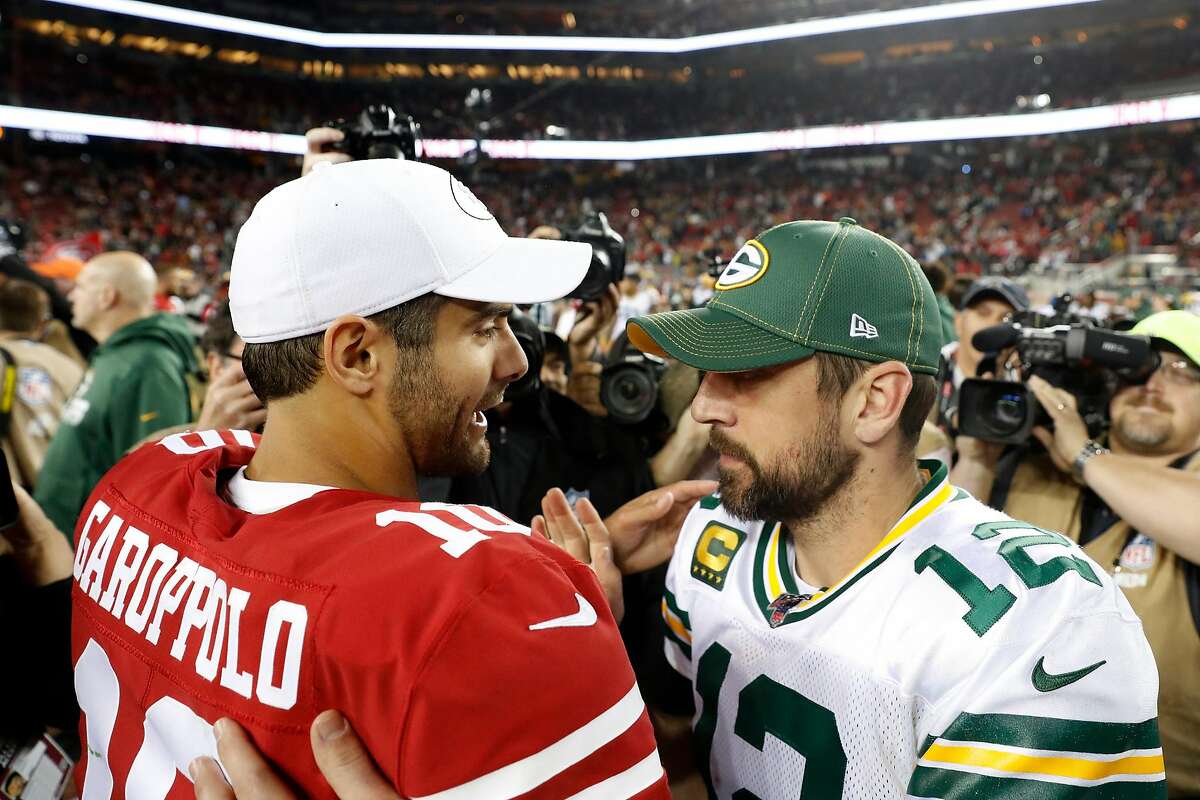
[(629, 392), (1008, 413)]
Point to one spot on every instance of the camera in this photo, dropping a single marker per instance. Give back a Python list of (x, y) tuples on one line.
[(533, 344), (608, 256), (1075, 355), (378, 132), (629, 383)]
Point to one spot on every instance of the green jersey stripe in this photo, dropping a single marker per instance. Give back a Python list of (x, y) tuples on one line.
[(674, 608), (1050, 733), (949, 784)]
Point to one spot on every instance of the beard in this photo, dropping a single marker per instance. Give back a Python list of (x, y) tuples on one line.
[(796, 487), (1140, 430), (443, 441)]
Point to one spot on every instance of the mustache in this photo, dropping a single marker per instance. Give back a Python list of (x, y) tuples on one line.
[(493, 399), (1142, 396), (721, 442)]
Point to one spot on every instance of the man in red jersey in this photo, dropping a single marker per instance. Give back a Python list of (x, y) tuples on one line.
[(219, 575)]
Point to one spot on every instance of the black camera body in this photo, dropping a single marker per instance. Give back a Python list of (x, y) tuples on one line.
[(378, 132), (1087, 361), (629, 383), (608, 256)]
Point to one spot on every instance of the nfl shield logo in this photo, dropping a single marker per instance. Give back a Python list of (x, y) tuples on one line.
[(781, 605), (1138, 554)]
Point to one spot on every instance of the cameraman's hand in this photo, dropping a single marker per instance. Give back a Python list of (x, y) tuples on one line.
[(1070, 433), (583, 386), (583, 535), (593, 317), (317, 139), (42, 553), (230, 403)]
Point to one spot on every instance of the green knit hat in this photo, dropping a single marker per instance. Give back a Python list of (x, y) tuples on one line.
[(801, 287)]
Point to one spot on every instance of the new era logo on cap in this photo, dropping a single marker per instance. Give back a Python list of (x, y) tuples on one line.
[(861, 329)]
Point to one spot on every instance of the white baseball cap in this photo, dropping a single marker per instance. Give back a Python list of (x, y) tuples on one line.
[(365, 236)]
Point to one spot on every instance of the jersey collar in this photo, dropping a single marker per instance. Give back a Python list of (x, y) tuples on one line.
[(775, 566)]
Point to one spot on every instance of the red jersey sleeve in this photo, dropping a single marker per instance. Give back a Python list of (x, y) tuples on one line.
[(530, 695)]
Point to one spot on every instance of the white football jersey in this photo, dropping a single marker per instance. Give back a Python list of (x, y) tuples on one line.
[(967, 656)]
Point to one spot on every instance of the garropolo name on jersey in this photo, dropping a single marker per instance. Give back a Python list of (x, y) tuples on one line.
[(244, 633)]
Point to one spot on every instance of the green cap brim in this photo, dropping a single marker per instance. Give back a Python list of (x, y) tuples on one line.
[(712, 340)]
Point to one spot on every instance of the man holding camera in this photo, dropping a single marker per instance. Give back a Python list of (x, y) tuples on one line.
[(1133, 502), (989, 301)]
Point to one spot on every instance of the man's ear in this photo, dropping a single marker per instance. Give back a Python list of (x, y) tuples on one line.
[(109, 297), (353, 351), (882, 392)]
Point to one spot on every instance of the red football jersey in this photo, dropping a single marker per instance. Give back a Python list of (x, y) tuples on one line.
[(474, 660)]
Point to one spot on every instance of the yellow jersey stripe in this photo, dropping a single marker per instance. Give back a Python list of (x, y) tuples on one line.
[(774, 579), (909, 521), (674, 624), (1056, 766)]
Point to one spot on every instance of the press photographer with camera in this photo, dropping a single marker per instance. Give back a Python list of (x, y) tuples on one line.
[(1131, 498), (988, 301)]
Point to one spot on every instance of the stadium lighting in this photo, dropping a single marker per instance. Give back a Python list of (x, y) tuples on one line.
[(1142, 112), (567, 44)]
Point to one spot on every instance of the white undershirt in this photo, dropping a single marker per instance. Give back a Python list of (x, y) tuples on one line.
[(267, 497)]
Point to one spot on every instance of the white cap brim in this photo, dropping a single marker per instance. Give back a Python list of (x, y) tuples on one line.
[(523, 271)]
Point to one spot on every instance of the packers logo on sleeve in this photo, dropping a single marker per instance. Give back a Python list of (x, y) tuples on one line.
[(748, 265), (714, 553)]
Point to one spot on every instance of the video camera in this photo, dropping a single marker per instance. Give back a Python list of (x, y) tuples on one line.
[(1066, 351), (608, 256), (378, 132)]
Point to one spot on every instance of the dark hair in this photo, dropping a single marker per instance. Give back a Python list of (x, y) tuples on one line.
[(23, 306), (837, 373), (218, 333), (937, 276), (291, 366)]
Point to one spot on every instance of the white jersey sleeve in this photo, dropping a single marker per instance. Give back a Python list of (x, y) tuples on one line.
[(1083, 716), (677, 600), (1056, 691)]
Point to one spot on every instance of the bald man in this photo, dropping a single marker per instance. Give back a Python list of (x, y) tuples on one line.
[(136, 381)]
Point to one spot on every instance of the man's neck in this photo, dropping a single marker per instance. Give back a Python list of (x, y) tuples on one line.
[(829, 545), (102, 329), (300, 446)]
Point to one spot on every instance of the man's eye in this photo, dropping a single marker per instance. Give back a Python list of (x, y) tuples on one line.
[(488, 333)]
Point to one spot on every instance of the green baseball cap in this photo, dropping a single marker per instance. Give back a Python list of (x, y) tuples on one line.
[(801, 287), (1178, 329)]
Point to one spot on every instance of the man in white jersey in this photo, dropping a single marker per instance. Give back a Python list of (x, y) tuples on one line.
[(853, 626)]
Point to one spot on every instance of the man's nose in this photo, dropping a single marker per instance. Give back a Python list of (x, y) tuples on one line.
[(711, 405)]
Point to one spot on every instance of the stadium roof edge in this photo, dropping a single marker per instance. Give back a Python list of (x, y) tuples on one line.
[(1117, 115), (568, 44)]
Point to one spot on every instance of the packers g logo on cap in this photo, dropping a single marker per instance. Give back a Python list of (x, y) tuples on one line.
[(748, 265)]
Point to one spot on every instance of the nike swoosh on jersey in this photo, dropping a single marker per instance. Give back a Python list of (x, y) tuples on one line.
[(583, 618), (1047, 682)]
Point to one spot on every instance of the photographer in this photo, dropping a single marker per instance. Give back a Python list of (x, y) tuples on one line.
[(988, 301), (1133, 502)]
